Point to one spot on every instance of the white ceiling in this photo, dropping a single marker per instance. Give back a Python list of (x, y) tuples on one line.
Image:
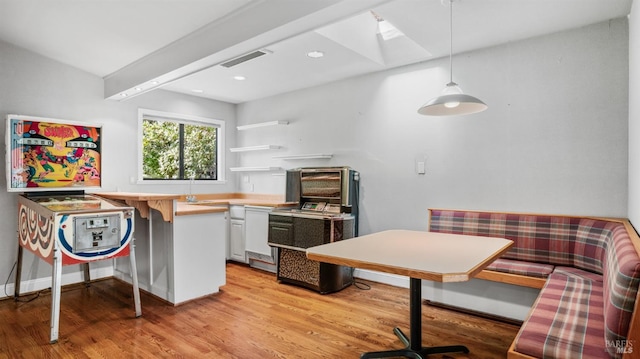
[(180, 44)]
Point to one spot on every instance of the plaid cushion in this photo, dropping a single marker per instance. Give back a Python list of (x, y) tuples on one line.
[(542, 239), (582, 248), (621, 278), (567, 320), (530, 269), (589, 247), (556, 240), (575, 272), (598, 243)]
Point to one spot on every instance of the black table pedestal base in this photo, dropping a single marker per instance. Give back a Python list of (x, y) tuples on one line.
[(413, 347), (407, 352)]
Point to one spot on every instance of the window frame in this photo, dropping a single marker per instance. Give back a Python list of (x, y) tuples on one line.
[(184, 119)]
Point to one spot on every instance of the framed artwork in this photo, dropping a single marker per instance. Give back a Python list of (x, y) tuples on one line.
[(45, 154)]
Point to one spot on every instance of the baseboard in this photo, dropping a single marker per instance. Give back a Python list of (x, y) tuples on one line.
[(504, 313), (38, 284), (477, 313), (380, 277)]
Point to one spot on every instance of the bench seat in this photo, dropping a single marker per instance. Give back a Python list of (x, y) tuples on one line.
[(531, 269), (588, 305), (567, 319)]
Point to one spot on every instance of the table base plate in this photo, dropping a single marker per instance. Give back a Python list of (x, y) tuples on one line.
[(408, 352)]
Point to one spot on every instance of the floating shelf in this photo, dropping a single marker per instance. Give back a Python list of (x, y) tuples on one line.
[(254, 169), (254, 148), (324, 156), (261, 124)]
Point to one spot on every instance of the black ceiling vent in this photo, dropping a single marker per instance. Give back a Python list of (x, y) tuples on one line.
[(244, 58)]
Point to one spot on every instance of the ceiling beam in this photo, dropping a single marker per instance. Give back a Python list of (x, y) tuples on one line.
[(254, 26)]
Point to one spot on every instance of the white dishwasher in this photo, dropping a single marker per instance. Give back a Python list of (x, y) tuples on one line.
[(258, 251)]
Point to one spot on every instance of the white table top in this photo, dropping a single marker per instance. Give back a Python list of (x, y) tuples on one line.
[(433, 256)]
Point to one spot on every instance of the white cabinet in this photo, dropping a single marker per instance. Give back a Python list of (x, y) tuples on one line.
[(236, 234), (249, 236), (198, 267), (236, 240), (181, 260)]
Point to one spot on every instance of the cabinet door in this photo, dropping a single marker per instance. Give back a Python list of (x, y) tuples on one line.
[(280, 232), (236, 241)]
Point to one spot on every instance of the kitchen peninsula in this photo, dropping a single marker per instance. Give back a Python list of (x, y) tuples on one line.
[(182, 246)]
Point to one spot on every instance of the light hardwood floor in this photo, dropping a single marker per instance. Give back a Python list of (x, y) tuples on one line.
[(252, 317)]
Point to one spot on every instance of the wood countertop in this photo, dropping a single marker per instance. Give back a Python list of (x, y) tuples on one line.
[(222, 205), (243, 202), (185, 208), (137, 196), (143, 201), (205, 203), (241, 199)]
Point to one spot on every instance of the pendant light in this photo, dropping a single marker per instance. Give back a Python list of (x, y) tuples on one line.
[(452, 101)]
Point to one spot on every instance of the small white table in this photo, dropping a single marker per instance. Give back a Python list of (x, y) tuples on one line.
[(419, 255)]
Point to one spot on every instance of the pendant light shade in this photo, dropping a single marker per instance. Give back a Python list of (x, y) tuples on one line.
[(452, 101)]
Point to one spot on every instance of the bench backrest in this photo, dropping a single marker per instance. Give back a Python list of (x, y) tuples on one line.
[(596, 245), (556, 240)]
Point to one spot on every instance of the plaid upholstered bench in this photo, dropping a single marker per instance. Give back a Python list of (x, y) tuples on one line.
[(588, 270)]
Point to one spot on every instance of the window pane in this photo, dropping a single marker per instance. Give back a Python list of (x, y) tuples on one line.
[(160, 150), (200, 151), (175, 150)]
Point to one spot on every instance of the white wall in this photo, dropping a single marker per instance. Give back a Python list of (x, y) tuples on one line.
[(634, 115), (36, 86), (554, 139)]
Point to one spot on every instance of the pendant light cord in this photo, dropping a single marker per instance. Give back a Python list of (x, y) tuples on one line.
[(452, 101), (450, 41)]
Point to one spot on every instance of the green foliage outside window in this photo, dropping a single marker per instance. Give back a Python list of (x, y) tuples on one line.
[(173, 150)]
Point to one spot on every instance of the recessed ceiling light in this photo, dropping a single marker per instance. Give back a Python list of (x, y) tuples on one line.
[(315, 54), (138, 88), (154, 82), (239, 78), (197, 91), (124, 94)]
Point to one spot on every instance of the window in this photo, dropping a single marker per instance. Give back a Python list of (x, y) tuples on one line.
[(180, 147)]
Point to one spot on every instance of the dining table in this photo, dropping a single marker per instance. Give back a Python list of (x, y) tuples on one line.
[(419, 255)]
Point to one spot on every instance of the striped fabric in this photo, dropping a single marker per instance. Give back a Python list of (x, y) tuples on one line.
[(567, 321), (621, 278), (589, 246), (583, 250), (530, 269), (556, 240), (532, 235), (575, 272)]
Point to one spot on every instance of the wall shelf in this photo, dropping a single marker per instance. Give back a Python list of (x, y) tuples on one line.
[(261, 124), (254, 169), (324, 156), (254, 148)]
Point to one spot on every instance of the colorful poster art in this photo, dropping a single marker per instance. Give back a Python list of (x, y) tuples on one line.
[(47, 154)]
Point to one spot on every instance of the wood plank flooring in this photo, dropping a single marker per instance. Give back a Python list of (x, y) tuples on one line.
[(252, 317)]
